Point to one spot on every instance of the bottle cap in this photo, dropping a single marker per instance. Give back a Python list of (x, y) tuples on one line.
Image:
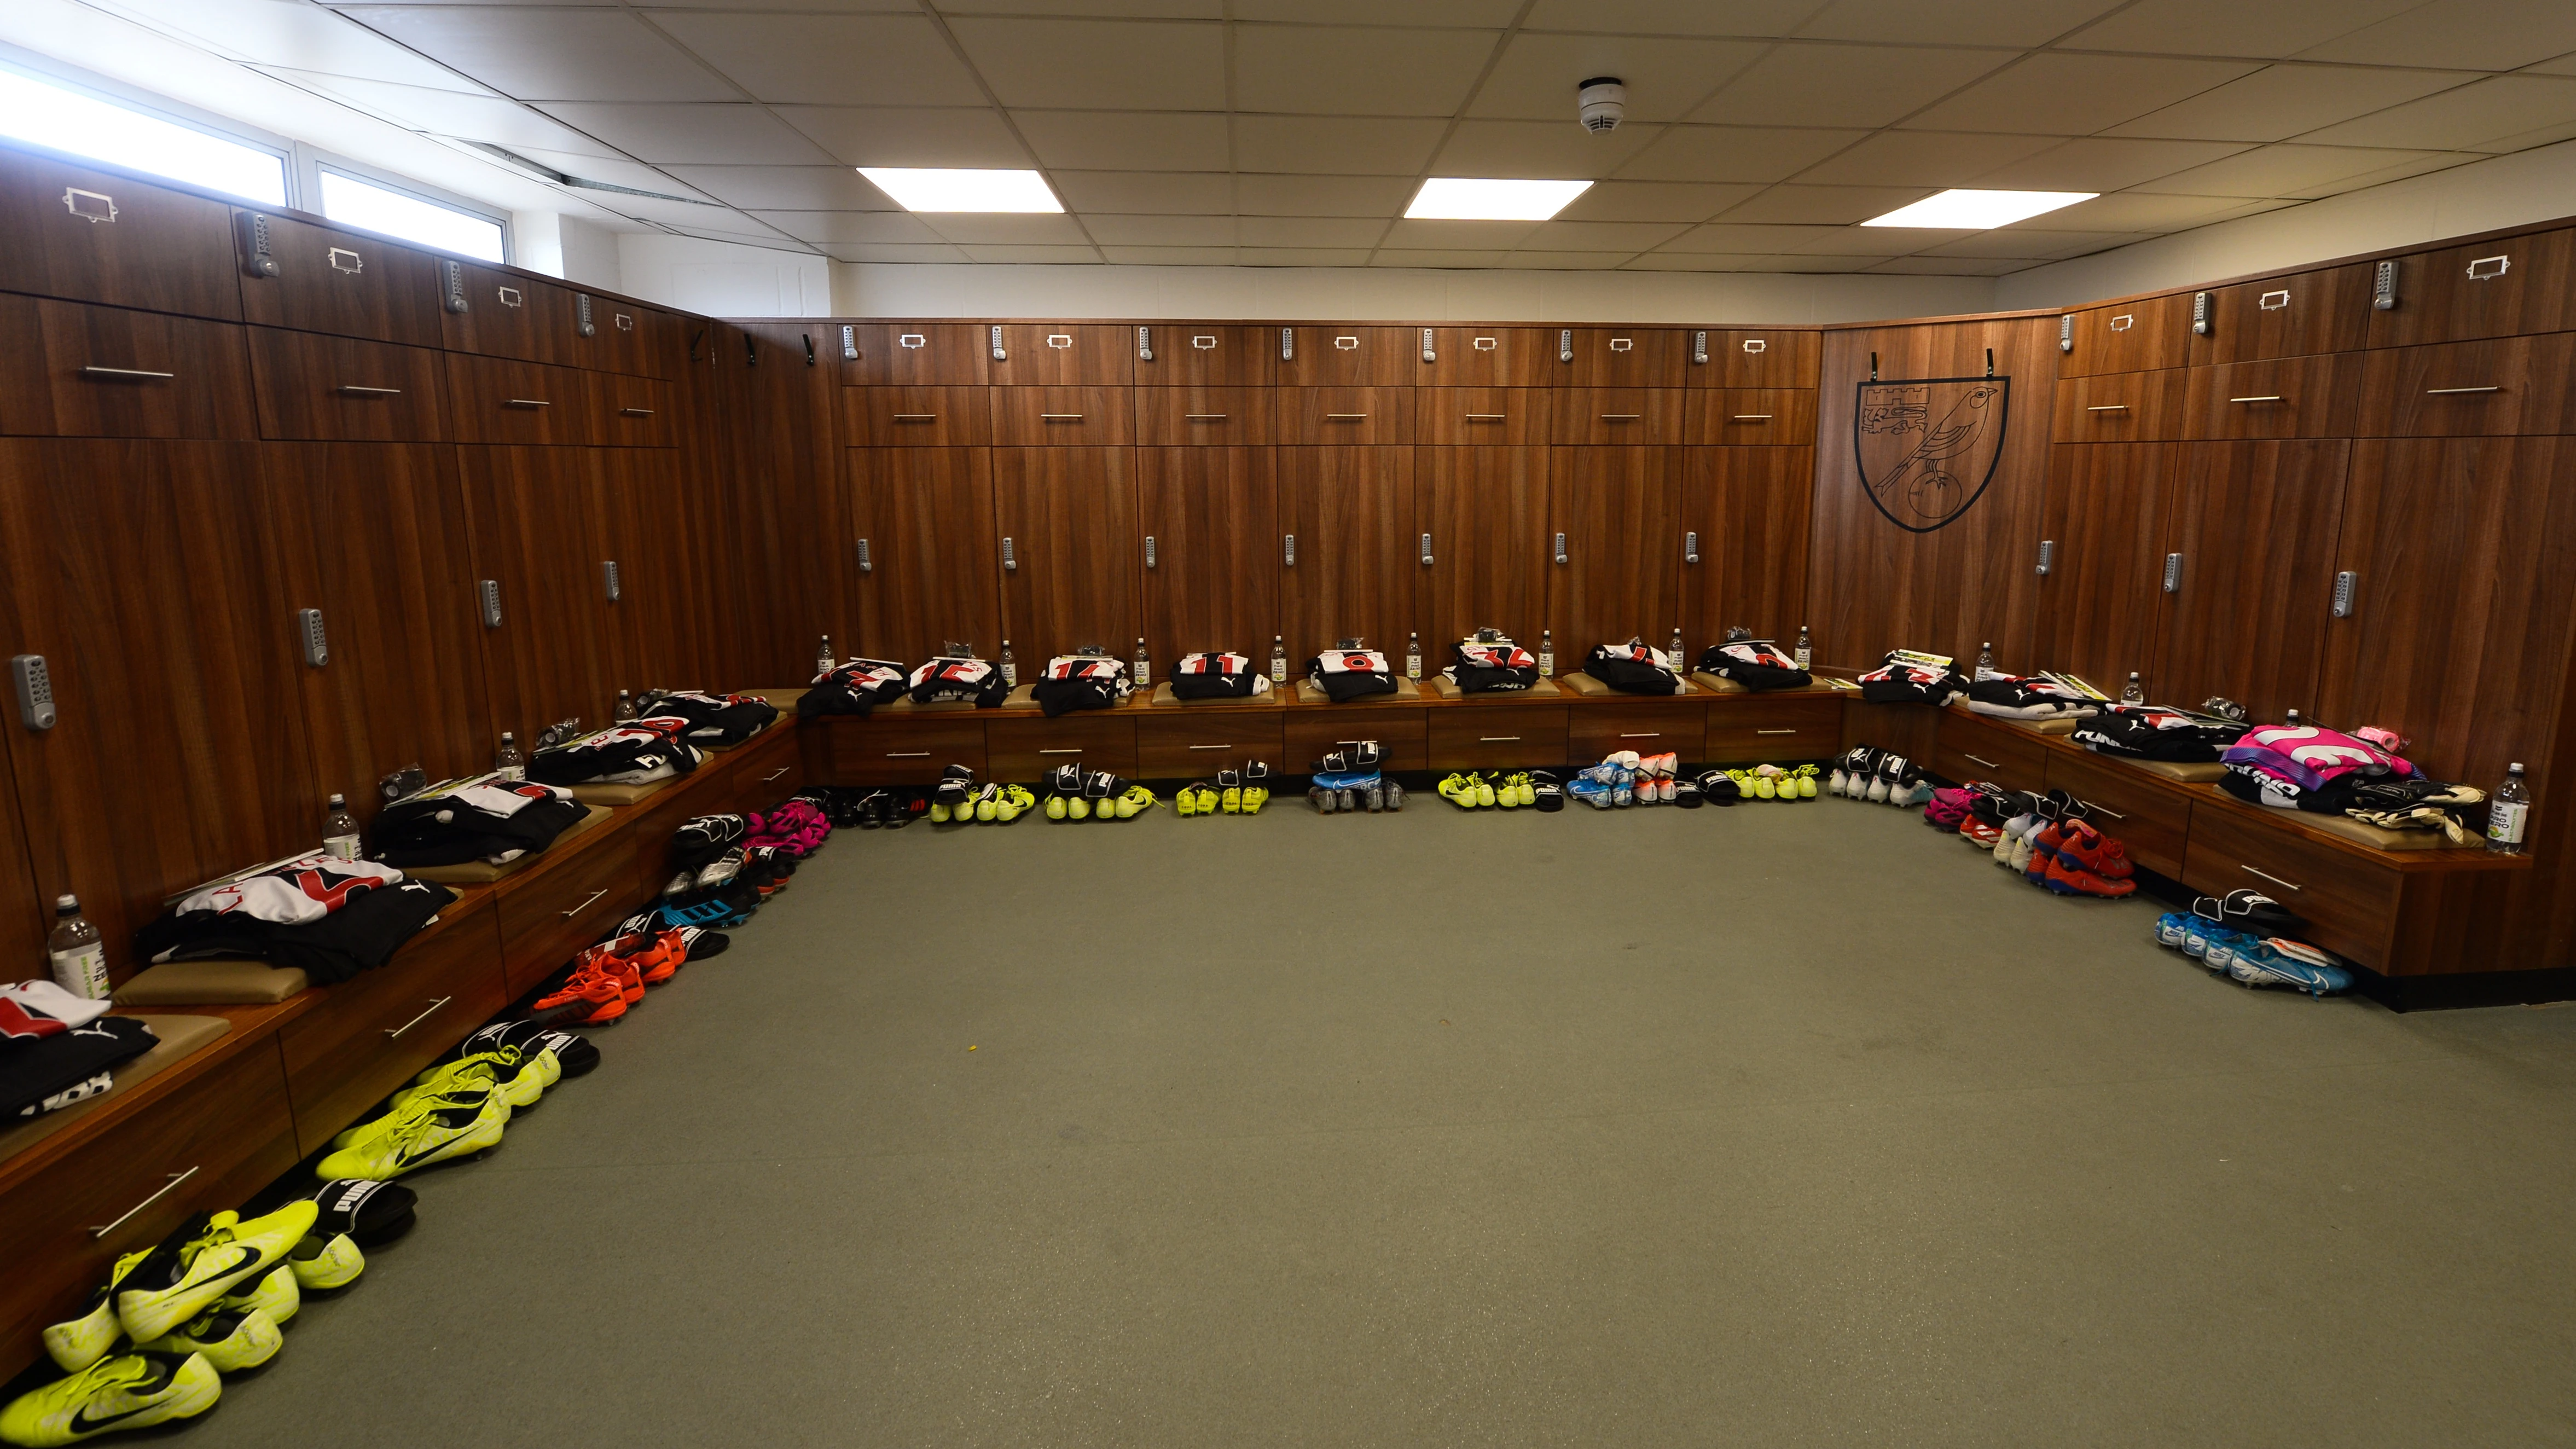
[(2513, 769), (67, 905), (339, 800), (507, 737)]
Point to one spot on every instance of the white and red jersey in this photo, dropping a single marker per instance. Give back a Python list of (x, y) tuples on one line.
[(294, 894)]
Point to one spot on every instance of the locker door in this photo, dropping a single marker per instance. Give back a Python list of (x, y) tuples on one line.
[(1748, 507), (1619, 511), (1066, 521), (2102, 603), (933, 554), (2255, 525), (1347, 510), (537, 525), (1211, 581), (1485, 509)]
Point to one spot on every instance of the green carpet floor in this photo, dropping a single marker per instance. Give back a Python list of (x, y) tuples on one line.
[(1777, 1125)]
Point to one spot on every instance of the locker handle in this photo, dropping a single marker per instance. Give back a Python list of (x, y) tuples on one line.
[(127, 372), (176, 1178), (392, 1032), (866, 564), (2452, 391), (2108, 408), (526, 402), (1203, 417), (1989, 764), (585, 904), (635, 412), (907, 754), (2274, 879), (1426, 550), (2271, 397), (1059, 752), (1644, 735), (1776, 732), (351, 389), (916, 417), (1149, 550), (1560, 548), (1060, 417), (774, 774), (1010, 559), (1211, 747), (1288, 549), (1485, 417), (1690, 548), (1620, 417), (1751, 418), (1498, 739), (1344, 417), (2090, 808)]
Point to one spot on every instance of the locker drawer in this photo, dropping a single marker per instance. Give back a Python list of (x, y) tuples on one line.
[(1020, 746), (1345, 415), (498, 401), (1061, 354), (2120, 407), (629, 411), (1611, 415), (66, 231), (507, 315), (1203, 416), (1313, 732), (1752, 415), (1512, 416), (917, 417), (373, 1031), (322, 279), (1678, 726), (1967, 748), (1760, 359), (2151, 821), (107, 372), (2482, 289), (2351, 904), (2289, 397), (1062, 417), (1224, 355), (1194, 745), (766, 774), (316, 387), (547, 916), (2137, 336), (1752, 731), (910, 354), (1497, 736), (907, 749), (2512, 385)]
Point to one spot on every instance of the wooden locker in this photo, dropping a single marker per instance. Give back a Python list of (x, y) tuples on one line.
[(2255, 526), (535, 520), (1210, 517), (1485, 511), (1066, 518), (1348, 356), (2141, 335), (2102, 602), (1513, 357), (790, 507), (507, 315), (2292, 316), (145, 574), (2496, 288), (934, 565), (1760, 359), (910, 354), (1062, 354), (1209, 354), (1618, 513), (67, 231), (325, 279), (26, 914), (1748, 507), (1345, 512), (1627, 357)]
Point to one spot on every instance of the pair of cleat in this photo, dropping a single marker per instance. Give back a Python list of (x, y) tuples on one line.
[(609, 978), (202, 1268), (995, 805), (452, 1110), (1490, 790), (2250, 959), (1372, 794), (1880, 777), (1772, 782), (1236, 792)]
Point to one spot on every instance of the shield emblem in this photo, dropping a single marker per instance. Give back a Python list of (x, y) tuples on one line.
[(1927, 448)]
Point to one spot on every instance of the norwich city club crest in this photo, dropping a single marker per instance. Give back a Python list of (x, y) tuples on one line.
[(1927, 448)]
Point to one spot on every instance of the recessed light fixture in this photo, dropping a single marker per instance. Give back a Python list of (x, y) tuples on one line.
[(935, 189), (1473, 198), (1979, 210)]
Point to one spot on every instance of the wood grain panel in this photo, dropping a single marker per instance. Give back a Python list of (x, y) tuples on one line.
[(905, 750), (1966, 746), (630, 501), (1348, 509), (373, 1031), (628, 411), (1069, 515), (25, 914), (1751, 417), (2461, 628), (2120, 407), (565, 904), (637, 340), (534, 526), (2439, 301), (2254, 523), (1760, 358), (1193, 744), (1482, 416), (1213, 514), (527, 403), (2350, 906), (917, 417), (1678, 726), (1022, 745), (2290, 397), (1349, 356), (73, 373), (510, 315), (1746, 731), (936, 556), (1618, 416), (1063, 354), (2148, 817), (1062, 417), (144, 573), (1486, 511), (1345, 415), (1203, 417), (314, 387), (329, 280), (1749, 508), (2136, 336), (797, 542), (1485, 736), (1209, 354), (914, 354), (1620, 512), (2102, 603), (2292, 316), (129, 243), (2493, 388), (1631, 357), (1483, 357)]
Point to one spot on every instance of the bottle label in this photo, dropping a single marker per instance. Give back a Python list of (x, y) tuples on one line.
[(1010, 674), (1413, 666), (513, 773), (2504, 822), (1547, 663), (82, 971), (341, 847), (1279, 669), (1805, 660), (1988, 671)]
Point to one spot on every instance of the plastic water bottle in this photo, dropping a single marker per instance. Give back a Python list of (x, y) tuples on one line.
[(2133, 692), (1986, 661), (1011, 668), (509, 764), (340, 831), (2508, 813), (1547, 654), (1144, 664), (1678, 666), (79, 956), (625, 708), (823, 658), (1806, 655), (1413, 655), (1278, 660)]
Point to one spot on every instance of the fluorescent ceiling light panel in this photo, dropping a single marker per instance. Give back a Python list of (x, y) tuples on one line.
[(919, 188), (1979, 210), (66, 120), (1472, 198)]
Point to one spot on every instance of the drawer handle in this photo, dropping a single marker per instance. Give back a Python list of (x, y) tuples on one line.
[(2091, 808), (1345, 417), (351, 389), (2455, 391), (2268, 397), (2108, 408), (774, 774), (176, 1178), (1792, 732), (907, 754), (1751, 418), (916, 417), (2274, 879), (1485, 417), (127, 372), (1989, 764), (635, 412), (1620, 417), (1203, 417), (1059, 752), (1498, 739), (527, 402), (1211, 747), (585, 903), (1060, 417), (392, 1032), (1644, 735)]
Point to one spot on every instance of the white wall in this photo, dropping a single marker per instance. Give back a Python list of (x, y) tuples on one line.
[(2529, 186), (723, 279), (578, 251), (1339, 294)]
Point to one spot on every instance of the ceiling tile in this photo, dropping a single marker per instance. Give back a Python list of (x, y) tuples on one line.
[(1878, 241), (1952, 266), (909, 135), (2422, 164), (2231, 27), (1927, 159), (1682, 201), (1126, 140), (1670, 261), (1796, 203), (741, 135), (1317, 70), (2284, 100), (819, 7), (1734, 153), (1432, 258), (1323, 195), (684, 214), (1099, 65), (895, 253), (2140, 211), (597, 55), (2099, 163), (497, 119), (1170, 256), (1333, 145), (1568, 261), (1004, 228), (1160, 231), (1752, 18), (787, 188), (2563, 65), (1538, 75), (1310, 231), (1082, 254), (300, 37), (1169, 192), (2032, 245), (1601, 236), (2076, 95), (613, 171), (827, 228), (888, 60), (1125, 9), (2469, 34), (1539, 148), (2284, 170), (1487, 14), (1953, 22), (1844, 85), (1460, 235), (1300, 257), (1722, 237), (2502, 113)]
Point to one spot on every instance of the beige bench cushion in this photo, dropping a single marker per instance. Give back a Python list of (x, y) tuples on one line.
[(1438, 686), (210, 983), (181, 1037), (1308, 693)]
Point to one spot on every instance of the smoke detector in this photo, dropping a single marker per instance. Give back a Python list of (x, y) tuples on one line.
[(1601, 103)]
